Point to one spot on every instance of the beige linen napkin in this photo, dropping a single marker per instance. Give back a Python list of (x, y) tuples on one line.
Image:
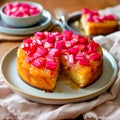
[(107, 105), (104, 107)]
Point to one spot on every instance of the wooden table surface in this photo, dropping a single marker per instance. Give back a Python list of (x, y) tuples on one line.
[(68, 5)]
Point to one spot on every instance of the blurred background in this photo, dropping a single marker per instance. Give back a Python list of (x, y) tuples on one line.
[(71, 5)]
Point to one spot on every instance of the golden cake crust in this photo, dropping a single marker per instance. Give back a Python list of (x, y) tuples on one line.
[(36, 77)]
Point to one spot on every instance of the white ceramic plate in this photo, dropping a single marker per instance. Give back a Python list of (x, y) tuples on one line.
[(43, 24), (67, 95)]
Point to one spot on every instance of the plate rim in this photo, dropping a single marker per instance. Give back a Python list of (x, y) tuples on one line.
[(29, 30), (15, 89)]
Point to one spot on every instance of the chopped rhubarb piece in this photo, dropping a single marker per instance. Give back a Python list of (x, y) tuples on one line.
[(60, 44), (14, 10), (85, 62), (85, 52), (59, 37), (102, 17), (67, 37), (25, 46), (28, 53), (29, 59), (55, 52), (7, 12), (50, 57), (74, 50), (51, 65), (90, 19), (17, 4), (82, 47), (30, 48), (27, 40), (68, 44), (83, 40), (47, 33), (42, 49), (48, 45), (37, 54), (98, 19), (39, 62), (71, 58), (67, 32), (37, 41), (40, 52), (76, 36), (92, 47), (19, 14), (50, 39), (34, 10), (74, 41), (92, 43), (85, 10), (64, 51), (80, 56), (90, 12), (9, 6), (94, 13), (110, 17), (33, 47), (94, 56), (26, 6), (41, 35)]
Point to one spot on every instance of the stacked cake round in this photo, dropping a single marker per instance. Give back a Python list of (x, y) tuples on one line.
[(40, 58)]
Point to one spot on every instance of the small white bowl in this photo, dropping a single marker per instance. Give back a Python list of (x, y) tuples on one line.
[(22, 21)]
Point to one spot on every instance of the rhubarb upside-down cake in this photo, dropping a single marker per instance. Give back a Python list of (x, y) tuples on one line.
[(41, 57)]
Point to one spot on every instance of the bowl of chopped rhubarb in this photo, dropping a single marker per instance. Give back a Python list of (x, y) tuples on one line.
[(21, 14)]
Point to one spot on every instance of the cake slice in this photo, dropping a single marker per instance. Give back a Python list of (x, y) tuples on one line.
[(38, 62), (94, 23), (83, 63)]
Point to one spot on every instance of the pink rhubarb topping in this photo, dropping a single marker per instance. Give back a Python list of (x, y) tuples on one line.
[(44, 49), (20, 9), (95, 16)]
